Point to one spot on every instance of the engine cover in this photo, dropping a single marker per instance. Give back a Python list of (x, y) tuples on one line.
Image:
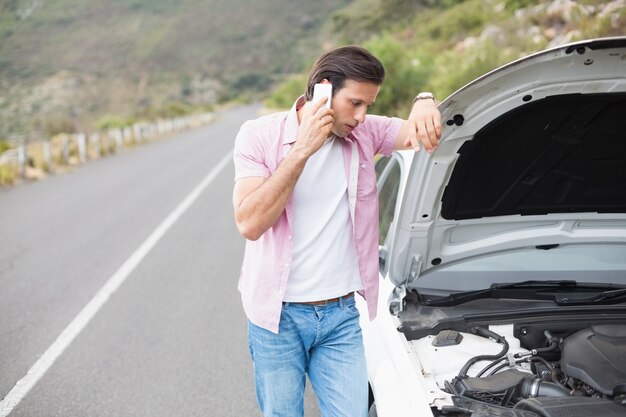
[(597, 356)]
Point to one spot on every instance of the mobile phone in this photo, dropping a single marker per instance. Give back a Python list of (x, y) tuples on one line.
[(323, 90)]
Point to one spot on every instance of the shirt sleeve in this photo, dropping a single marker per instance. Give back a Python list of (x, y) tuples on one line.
[(384, 131), (248, 156)]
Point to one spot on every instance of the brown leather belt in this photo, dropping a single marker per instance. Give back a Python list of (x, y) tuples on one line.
[(325, 302)]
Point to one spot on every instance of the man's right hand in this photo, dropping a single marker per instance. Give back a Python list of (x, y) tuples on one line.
[(259, 201), (316, 123)]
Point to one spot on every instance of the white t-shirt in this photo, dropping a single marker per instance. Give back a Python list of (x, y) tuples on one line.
[(324, 263)]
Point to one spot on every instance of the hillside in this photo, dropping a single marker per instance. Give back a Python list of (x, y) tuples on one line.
[(66, 63), (69, 65), (440, 45)]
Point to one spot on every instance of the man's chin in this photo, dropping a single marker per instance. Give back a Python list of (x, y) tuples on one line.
[(340, 133)]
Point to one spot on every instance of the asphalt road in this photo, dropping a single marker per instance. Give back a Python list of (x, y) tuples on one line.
[(170, 340)]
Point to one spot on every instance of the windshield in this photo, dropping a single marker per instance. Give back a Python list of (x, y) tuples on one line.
[(585, 263)]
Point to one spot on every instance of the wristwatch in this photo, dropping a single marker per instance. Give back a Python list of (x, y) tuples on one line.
[(424, 95)]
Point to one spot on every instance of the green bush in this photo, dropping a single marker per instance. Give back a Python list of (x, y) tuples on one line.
[(53, 125), (454, 23), (513, 5), (5, 145), (598, 27), (287, 92), (109, 121), (175, 109), (7, 174), (455, 69), (406, 73)]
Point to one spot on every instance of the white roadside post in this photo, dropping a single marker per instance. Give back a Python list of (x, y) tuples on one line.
[(95, 144), (117, 134), (21, 160), (65, 150), (47, 155), (81, 144)]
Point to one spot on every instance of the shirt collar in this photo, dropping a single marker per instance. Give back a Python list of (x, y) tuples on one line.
[(291, 124)]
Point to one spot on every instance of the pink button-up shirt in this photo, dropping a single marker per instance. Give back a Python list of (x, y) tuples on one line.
[(260, 147)]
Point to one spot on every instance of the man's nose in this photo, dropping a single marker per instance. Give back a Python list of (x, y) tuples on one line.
[(360, 115)]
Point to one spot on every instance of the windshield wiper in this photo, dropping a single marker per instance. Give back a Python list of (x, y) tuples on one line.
[(603, 297), (563, 292)]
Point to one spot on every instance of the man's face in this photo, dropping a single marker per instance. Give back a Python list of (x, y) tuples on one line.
[(351, 104)]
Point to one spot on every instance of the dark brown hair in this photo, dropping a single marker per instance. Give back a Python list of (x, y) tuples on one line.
[(345, 63)]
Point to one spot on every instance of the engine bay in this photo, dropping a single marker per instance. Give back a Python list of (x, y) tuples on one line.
[(532, 368)]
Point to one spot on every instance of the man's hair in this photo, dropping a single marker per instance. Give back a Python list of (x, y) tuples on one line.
[(345, 63)]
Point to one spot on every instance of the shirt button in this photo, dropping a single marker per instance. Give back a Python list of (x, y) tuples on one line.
[(363, 165)]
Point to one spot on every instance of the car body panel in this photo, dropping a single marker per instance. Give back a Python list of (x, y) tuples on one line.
[(394, 371), (426, 240)]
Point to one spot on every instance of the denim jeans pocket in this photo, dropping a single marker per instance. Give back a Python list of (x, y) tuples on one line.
[(350, 305), (265, 344)]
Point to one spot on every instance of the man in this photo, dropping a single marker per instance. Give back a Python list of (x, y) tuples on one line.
[(305, 198)]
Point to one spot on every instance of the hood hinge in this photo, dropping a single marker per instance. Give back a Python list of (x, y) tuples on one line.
[(396, 301), (416, 267)]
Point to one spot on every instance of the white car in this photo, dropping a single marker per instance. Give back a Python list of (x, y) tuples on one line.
[(503, 254)]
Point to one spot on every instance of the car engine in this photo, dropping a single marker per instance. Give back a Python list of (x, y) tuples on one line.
[(528, 370)]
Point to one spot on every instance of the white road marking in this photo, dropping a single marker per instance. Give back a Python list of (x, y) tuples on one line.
[(34, 374)]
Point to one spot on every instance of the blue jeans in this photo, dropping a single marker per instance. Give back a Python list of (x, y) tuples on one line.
[(322, 340)]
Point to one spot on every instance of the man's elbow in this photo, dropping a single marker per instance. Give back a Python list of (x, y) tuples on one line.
[(250, 234), (248, 230)]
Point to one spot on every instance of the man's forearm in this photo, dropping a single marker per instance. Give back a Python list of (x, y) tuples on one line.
[(261, 209)]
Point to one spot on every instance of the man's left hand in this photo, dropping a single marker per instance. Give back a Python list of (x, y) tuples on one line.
[(424, 126)]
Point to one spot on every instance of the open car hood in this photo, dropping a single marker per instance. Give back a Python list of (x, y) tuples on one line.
[(532, 153)]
